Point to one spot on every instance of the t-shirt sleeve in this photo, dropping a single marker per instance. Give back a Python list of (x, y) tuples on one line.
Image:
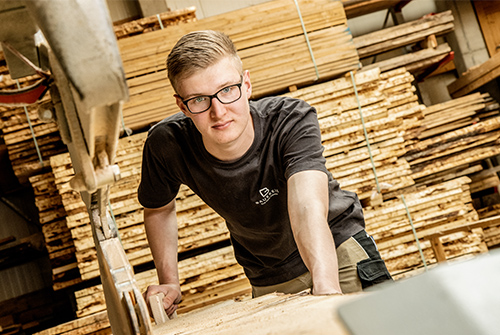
[(301, 143), (158, 186)]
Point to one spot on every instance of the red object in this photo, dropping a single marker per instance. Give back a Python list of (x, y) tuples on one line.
[(25, 96), (448, 58)]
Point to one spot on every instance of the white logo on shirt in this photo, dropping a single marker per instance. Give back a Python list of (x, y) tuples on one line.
[(266, 195)]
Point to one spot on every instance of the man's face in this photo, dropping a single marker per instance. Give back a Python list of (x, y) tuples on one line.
[(224, 127)]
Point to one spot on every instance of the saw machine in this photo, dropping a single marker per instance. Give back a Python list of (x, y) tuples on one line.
[(71, 45)]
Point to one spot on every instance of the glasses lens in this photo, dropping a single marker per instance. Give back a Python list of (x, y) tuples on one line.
[(229, 94), (199, 104)]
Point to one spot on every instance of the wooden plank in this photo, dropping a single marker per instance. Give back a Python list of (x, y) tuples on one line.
[(403, 34), (488, 15), (476, 77)]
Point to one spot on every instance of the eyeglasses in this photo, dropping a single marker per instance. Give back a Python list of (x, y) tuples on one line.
[(226, 95)]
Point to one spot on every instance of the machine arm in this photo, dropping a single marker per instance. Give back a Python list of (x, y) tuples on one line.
[(88, 88)]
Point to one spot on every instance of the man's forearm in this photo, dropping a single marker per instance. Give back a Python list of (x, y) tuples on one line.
[(308, 210), (161, 231)]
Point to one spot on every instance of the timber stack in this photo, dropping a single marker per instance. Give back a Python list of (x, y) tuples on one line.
[(421, 34), (476, 77), (272, 46), (435, 206), (58, 240), (382, 106), (30, 141), (155, 22)]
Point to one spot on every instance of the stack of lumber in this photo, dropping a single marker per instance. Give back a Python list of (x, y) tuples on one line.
[(205, 279), (58, 240), (199, 225), (271, 44), (394, 120), (416, 61), (432, 209), (476, 77), (33, 311), (404, 34), (454, 149), (390, 110), (152, 23), (416, 34), (455, 138), (20, 144), (454, 114)]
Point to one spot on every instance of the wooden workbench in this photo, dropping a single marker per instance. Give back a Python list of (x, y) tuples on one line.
[(269, 314)]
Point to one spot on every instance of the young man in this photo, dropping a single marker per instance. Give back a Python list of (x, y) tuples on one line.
[(259, 164)]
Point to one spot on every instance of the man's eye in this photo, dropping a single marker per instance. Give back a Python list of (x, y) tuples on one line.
[(226, 90), (199, 100)]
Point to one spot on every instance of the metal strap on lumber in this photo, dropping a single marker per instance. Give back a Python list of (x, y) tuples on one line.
[(414, 232), (364, 131), (307, 40)]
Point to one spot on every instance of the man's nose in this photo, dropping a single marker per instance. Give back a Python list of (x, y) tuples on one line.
[(217, 109)]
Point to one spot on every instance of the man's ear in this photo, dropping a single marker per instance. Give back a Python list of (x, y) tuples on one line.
[(247, 84), (181, 105)]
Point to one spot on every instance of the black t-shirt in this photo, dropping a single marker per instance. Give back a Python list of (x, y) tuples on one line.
[(249, 193)]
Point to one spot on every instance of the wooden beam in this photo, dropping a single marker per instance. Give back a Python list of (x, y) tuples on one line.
[(476, 77)]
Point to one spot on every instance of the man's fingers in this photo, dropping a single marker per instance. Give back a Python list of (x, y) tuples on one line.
[(171, 310)]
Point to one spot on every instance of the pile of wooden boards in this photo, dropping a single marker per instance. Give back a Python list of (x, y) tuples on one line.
[(420, 34), (271, 43), (476, 77), (29, 140), (394, 120), (404, 34), (205, 279), (156, 22), (199, 226), (389, 110), (58, 240), (431, 209)]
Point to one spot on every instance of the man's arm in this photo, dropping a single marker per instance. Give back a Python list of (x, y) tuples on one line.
[(308, 211), (161, 231)]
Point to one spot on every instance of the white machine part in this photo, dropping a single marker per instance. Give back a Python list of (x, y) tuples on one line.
[(454, 299), (87, 88)]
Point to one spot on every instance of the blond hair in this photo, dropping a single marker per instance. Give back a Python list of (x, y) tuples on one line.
[(198, 50)]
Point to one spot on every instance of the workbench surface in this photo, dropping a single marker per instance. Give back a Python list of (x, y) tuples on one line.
[(270, 314)]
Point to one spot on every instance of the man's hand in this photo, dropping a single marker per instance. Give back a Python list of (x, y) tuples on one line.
[(172, 297), (326, 289)]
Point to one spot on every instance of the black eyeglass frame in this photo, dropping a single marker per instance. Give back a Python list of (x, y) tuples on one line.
[(211, 97)]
